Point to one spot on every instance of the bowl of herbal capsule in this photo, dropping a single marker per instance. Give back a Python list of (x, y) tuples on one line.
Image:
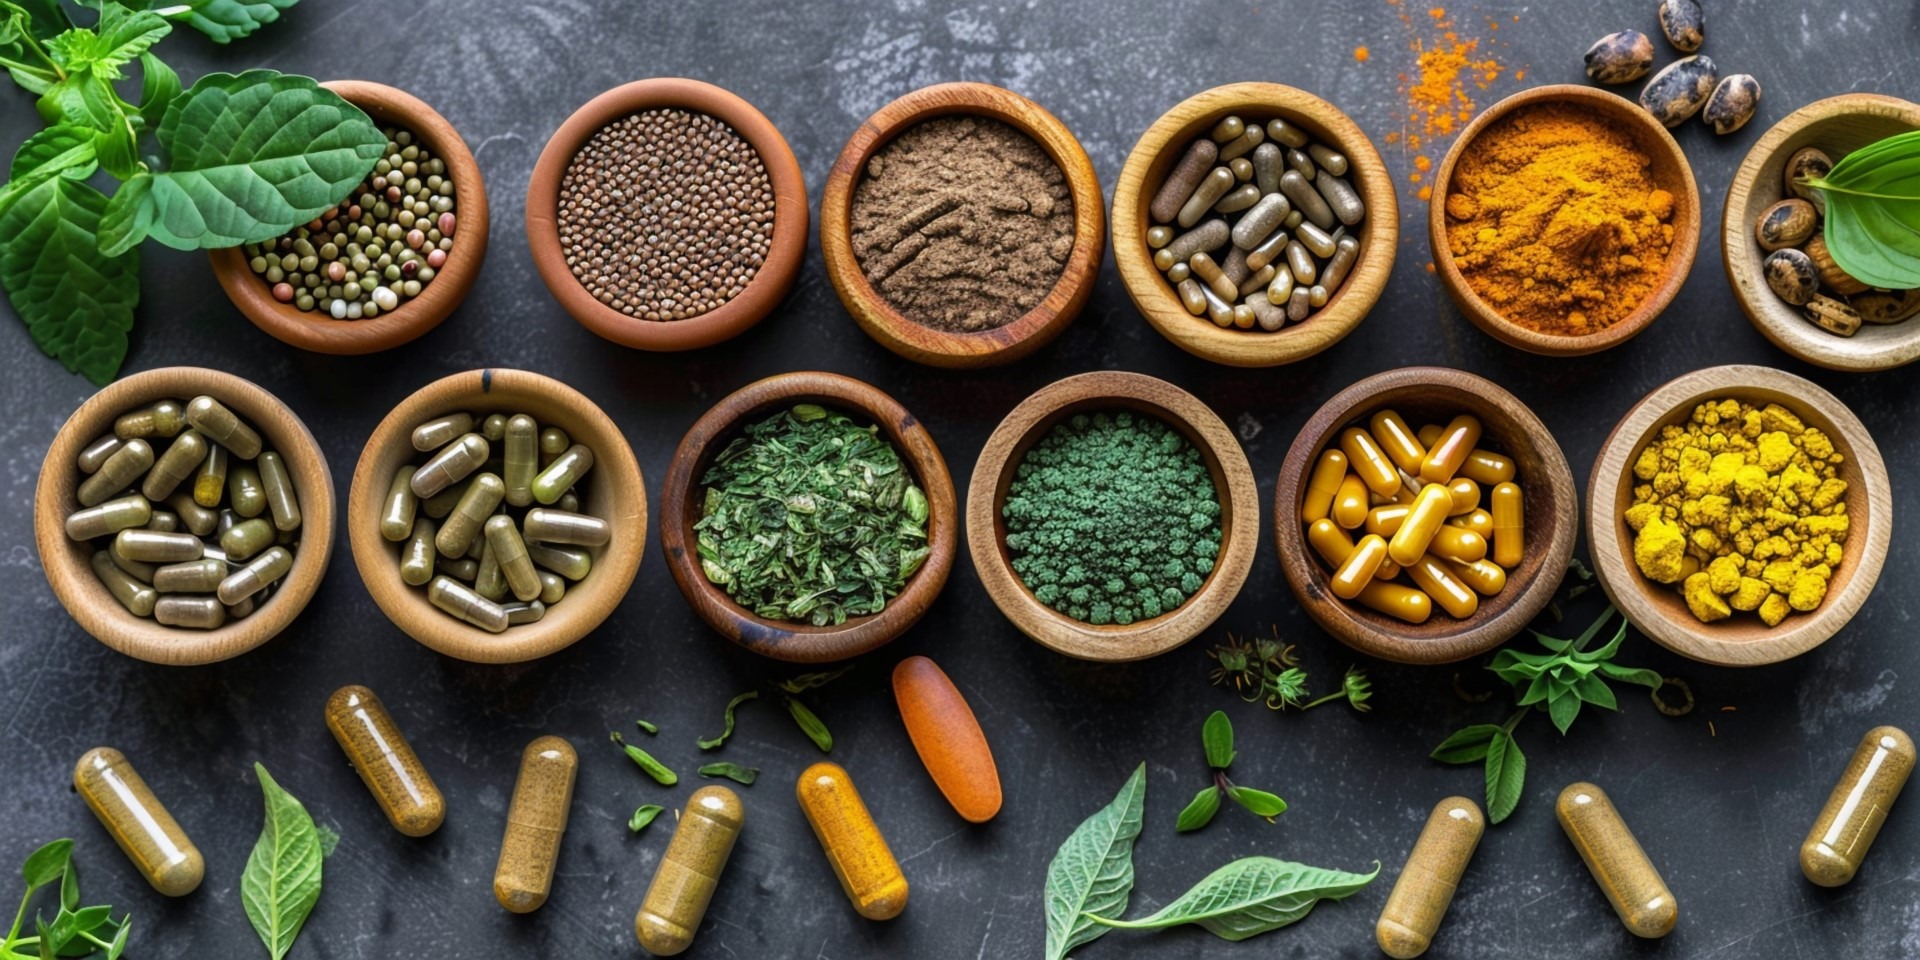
[(497, 515), (667, 214), (391, 260), (184, 516), (1112, 516), (809, 517)]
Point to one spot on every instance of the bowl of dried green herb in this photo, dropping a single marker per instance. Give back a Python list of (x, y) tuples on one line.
[(809, 517)]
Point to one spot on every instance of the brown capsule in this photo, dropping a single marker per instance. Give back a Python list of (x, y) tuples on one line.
[(138, 822), (1833, 278), (1833, 316), (1847, 826), (1180, 183), (536, 822), (1807, 163), (1732, 103), (1788, 223), (385, 761), (1621, 57), (689, 871), (1617, 861), (1684, 23), (1791, 276), (1678, 92), (1887, 306), (1427, 883)]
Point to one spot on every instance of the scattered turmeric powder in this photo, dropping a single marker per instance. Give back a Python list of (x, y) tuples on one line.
[(1447, 67), (1360, 54)]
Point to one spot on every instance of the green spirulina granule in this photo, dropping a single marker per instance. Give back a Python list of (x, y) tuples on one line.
[(1112, 518)]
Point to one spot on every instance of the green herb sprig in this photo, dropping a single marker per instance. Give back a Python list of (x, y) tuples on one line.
[(282, 880), (1873, 212), (1217, 738), (1270, 671), (76, 931), (645, 761)]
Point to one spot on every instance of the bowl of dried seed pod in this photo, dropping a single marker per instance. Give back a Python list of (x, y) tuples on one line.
[(1774, 245)]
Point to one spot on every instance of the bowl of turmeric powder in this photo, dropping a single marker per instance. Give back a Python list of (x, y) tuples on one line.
[(1739, 515), (1564, 220)]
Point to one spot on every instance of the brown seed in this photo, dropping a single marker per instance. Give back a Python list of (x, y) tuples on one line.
[(1732, 103), (1806, 163), (1890, 306), (1833, 316), (1786, 224), (1620, 57), (1791, 276), (1832, 277)]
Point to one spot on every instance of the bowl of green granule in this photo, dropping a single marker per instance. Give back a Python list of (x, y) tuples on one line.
[(1112, 516)]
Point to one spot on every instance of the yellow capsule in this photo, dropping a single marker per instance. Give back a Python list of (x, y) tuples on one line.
[(1487, 467), (1427, 883), (1323, 485), (1425, 518), (1398, 440), (1350, 505), (852, 841), (385, 760), (1430, 574), (1466, 496), (1329, 541), (1404, 603), (1484, 576), (1848, 824), (1429, 434), (143, 828), (1446, 454), (1479, 521), (1457, 543), (1618, 864), (1369, 461), (689, 872), (1360, 566), (1509, 531), (1386, 518), (536, 821)]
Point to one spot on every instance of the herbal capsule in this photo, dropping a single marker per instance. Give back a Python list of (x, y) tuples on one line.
[(137, 569), (483, 495), (442, 503), (854, 846), (1329, 541), (553, 587), (1210, 235), (1181, 181), (1427, 883), (264, 571), (1350, 504), (117, 474), (1479, 521), (1621, 868), (1268, 316), (1397, 440), (1430, 434), (246, 539), (1424, 519), (239, 611), (1211, 188), (1346, 251), (418, 555), (494, 427), (450, 466), (1228, 129), (1191, 296), (122, 513), (1243, 144), (1300, 264), (1449, 452), (440, 431), (197, 519), (463, 603), (1485, 577), (244, 490), (1509, 531), (281, 501), (536, 821), (1298, 160), (1394, 600), (1271, 249), (1237, 199), (96, 453), (199, 613), (1340, 196), (1284, 132), (569, 563), (1848, 824), (387, 764), (1457, 543), (1466, 496), (222, 426), (226, 522), (1358, 569), (1369, 461), (510, 552), (138, 822), (1328, 160), (1385, 519), (164, 522), (1260, 221), (1307, 200), (948, 738), (488, 580), (689, 871), (163, 419), (560, 526), (519, 613), (521, 458), (1158, 237), (192, 576), (560, 475), (1323, 485), (150, 546), (396, 515), (210, 481), (137, 597), (1432, 576)]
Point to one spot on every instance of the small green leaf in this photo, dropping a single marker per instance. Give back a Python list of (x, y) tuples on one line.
[(229, 20), (77, 302), (1092, 872), (118, 150), (1595, 691), (1258, 802), (1466, 746), (70, 887), (1636, 675), (123, 37), (119, 944), (731, 771), (643, 816), (1563, 710), (810, 725), (1200, 811), (1217, 737), (1249, 897), (159, 85), (645, 761), (64, 149), (714, 743), (649, 727), (84, 99), (47, 864), (282, 880), (1506, 776)]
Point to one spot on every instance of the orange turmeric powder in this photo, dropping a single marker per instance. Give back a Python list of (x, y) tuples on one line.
[(1554, 219)]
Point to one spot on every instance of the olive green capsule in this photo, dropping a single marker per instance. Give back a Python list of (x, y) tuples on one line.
[(442, 503), (117, 474), (417, 556), (475, 549), (569, 563), (385, 760), (227, 519), (1228, 129), (569, 502), (1427, 883), (138, 569), (519, 613), (246, 539), (396, 516), (137, 597), (244, 491), (1157, 237), (223, 426), (459, 569), (560, 475), (494, 427), (689, 872), (199, 520), (163, 419), (552, 587), (210, 481), (1269, 161), (281, 500), (1238, 199), (245, 608), (1317, 241), (1329, 160), (560, 526), (1340, 197), (464, 603), (163, 522), (451, 465), (1618, 864), (1212, 187), (482, 496), (191, 576), (138, 822), (1299, 162), (96, 453), (259, 573), (150, 546), (554, 442), (510, 552), (1286, 133), (489, 580), (1243, 144), (1858, 806), (536, 822), (194, 612), (440, 431), (1306, 200), (521, 458)]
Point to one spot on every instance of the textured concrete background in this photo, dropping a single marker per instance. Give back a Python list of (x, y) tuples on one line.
[(1720, 808)]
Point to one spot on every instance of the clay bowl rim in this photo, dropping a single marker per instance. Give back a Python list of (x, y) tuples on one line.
[(1148, 163), (770, 284), (1758, 182), (1550, 502), (615, 481), (68, 565), (795, 642), (1677, 180), (1741, 640), (323, 334), (1026, 425), (923, 344)]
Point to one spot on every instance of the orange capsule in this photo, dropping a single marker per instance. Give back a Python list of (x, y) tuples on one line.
[(948, 738), (1370, 462), (868, 873), (1466, 496), (1386, 519), (1404, 603), (1350, 504), (1431, 575), (1360, 567), (1479, 521), (1398, 440), (1457, 543), (1509, 533), (1484, 576), (1329, 541), (1323, 485), (1429, 434), (1487, 467), (1446, 454), (1425, 518)]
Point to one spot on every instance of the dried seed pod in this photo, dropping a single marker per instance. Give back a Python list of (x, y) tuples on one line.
[(1833, 316), (1791, 276), (1887, 306), (1732, 103), (1677, 92), (1832, 277), (1786, 224), (1806, 163), (1684, 23), (1621, 57)]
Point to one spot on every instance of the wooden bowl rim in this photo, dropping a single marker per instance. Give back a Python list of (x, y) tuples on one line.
[(1894, 346), (923, 344), (1233, 483), (1609, 486), (68, 564), (770, 283), (794, 642), (1349, 305), (587, 604), (1514, 607), (1654, 139), (323, 334)]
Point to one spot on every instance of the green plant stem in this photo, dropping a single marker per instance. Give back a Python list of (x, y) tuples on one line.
[(1340, 694), (1514, 720), (32, 43), (21, 917)]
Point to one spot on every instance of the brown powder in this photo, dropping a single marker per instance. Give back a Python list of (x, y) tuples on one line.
[(962, 223)]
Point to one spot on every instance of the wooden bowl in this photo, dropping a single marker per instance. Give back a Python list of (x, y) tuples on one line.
[(925, 344), (68, 563), (681, 505), (1154, 156), (1657, 609), (1836, 125), (614, 491), (769, 285), (1025, 426), (1552, 509), (1670, 172), (321, 333)]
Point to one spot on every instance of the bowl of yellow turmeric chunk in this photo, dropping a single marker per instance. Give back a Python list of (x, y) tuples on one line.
[(1739, 515)]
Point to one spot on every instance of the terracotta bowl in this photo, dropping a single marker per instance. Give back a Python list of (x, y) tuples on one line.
[(1742, 640), (321, 333), (1025, 426), (1669, 171), (925, 344), (681, 505), (68, 563), (1435, 395), (1147, 168), (769, 285), (614, 491), (1837, 125)]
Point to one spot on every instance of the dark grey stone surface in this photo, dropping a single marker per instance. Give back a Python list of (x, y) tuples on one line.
[(1720, 798)]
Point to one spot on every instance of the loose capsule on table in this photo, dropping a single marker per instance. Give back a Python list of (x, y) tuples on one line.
[(689, 872), (1848, 824), (948, 738), (138, 822), (1427, 883), (536, 823), (1617, 861), (385, 760), (858, 853)]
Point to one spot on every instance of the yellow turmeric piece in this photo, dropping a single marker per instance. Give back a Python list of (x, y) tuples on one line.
[(1555, 221), (1742, 508)]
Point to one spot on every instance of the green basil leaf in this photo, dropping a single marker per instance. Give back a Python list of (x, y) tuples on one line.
[(1467, 745), (123, 37), (76, 301), (1258, 802), (47, 864), (643, 816), (282, 880), (714, 743), (159, 85), (64, 149), (1200, 811), (228, 20), (1595, 691), (1638, 675), (1506, 776), (1563, 710), (731, 771), (810, 725), (1092, 872), (1252, 896), (1217, 737)]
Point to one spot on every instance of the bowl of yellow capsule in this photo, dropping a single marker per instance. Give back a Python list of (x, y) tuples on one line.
[(1424, 515), (1739, 515)]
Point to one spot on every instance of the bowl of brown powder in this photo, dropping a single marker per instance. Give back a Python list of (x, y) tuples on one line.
[(962, 225), (667, 214)]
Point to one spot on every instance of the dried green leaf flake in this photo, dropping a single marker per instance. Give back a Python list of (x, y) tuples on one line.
[(731, 771), (1249, 897), (644, 815), (810, 725), (1092, 872), (645, 761), (714, 743), (282, 880), (76, 301)]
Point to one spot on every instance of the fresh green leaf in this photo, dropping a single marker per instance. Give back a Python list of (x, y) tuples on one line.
[(229, 20), (1506, 776), (714, 743), (810, 725), (47, 864), (1638, 675), (1466, 746), (732, 771), (645, 761), (650, 728), (1606, 652), (1563, 710), (643, 816), (1595, 691), (119, 944), (1872, 225), (70, 887), (84, 99), (1092, 872), (1250, 897), (118, 150), (46, 19), (1200, 811), (77, 302), (282, 879), (1259, 802), (1217, 737), (121, 38), (159, 85), (64, 149)]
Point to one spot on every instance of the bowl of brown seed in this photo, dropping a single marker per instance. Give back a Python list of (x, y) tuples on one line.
[(667, 214)]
